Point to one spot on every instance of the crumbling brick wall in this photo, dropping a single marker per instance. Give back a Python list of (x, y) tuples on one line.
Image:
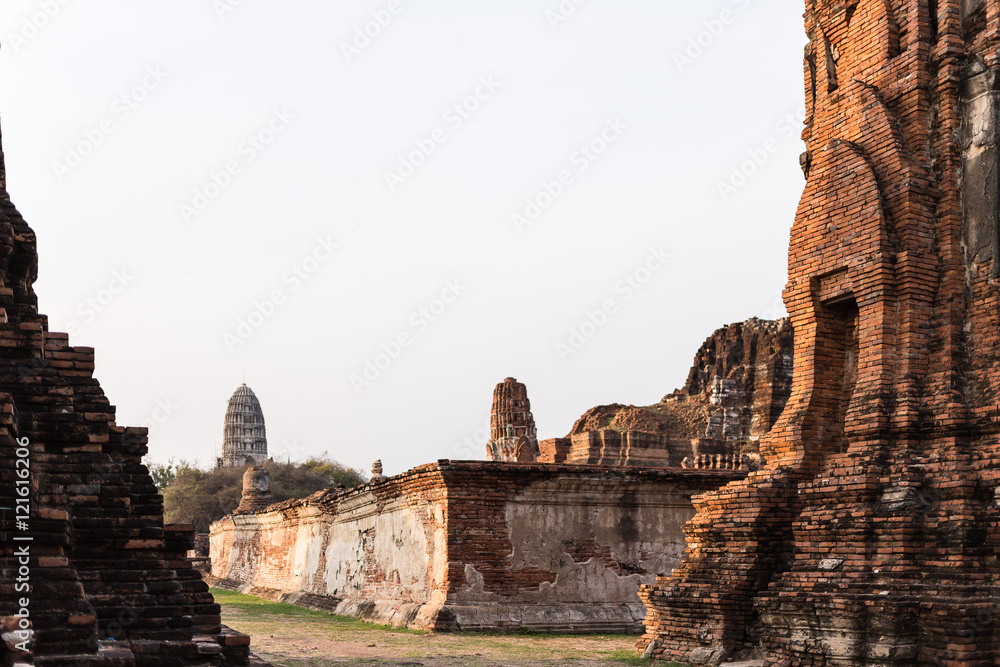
[(471, 545), (610, 447)]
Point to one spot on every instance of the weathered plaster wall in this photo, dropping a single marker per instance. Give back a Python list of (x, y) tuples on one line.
[(472, 545), (566, 551), (377, 551)]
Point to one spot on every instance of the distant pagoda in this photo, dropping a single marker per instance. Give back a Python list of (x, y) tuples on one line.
[(244, 440)]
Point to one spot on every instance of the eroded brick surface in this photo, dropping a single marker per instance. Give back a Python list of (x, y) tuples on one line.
[(256, 490), (512, 427), (871, 536)]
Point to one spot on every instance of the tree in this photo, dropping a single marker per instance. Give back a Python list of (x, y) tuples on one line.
[(164, 473), (202, 497)]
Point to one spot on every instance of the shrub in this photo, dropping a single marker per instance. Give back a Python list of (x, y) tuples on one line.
[(201, 497)]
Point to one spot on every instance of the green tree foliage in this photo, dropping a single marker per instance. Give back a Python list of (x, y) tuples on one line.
[(164, 473), (200, 497)]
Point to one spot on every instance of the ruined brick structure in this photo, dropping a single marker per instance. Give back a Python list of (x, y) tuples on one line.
[(109, 583), (744, 373), (512, 427), (244, 436), (256, 490), (735, 392), (610, 447), (471, 545), (872, 535)]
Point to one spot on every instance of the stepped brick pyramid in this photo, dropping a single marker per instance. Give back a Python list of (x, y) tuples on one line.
[(90, 576), (871, 536)]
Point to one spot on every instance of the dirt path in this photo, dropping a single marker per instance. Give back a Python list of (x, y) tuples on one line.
[(288, 636)]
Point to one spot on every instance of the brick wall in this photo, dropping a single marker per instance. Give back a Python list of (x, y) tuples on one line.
[(471, 545), (374, 551)]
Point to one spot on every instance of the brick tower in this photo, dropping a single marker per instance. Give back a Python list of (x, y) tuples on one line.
[(256, 490), (244, 441), (89, 574), (512, 426), (872, 534)]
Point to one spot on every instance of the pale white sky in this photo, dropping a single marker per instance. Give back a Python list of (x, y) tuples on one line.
[(223, 188)]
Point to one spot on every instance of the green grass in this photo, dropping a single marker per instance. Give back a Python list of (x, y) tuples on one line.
[(290, 636), (260, 610)]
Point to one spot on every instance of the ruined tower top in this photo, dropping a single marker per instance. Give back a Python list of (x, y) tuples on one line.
[(18, 259), (244, 438), (256, 490), (512, 426)]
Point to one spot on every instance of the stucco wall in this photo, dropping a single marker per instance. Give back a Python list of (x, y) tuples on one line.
[(472, 545), (377, 551)]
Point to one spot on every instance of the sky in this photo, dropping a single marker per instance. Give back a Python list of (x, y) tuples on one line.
[(374, 211)]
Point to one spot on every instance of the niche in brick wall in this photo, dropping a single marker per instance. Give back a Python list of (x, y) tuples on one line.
[(811, 64), (832, 56), (898, 26), (837, 349)]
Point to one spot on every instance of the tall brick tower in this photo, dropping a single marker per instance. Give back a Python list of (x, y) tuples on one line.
[(244, 441), (512, 426), (89, 573), (872, 535)]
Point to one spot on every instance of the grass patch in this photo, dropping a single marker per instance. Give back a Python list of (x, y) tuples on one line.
[(290, 636), (259, 610)]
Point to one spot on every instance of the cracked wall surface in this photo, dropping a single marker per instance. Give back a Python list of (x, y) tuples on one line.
[(471, 545)]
